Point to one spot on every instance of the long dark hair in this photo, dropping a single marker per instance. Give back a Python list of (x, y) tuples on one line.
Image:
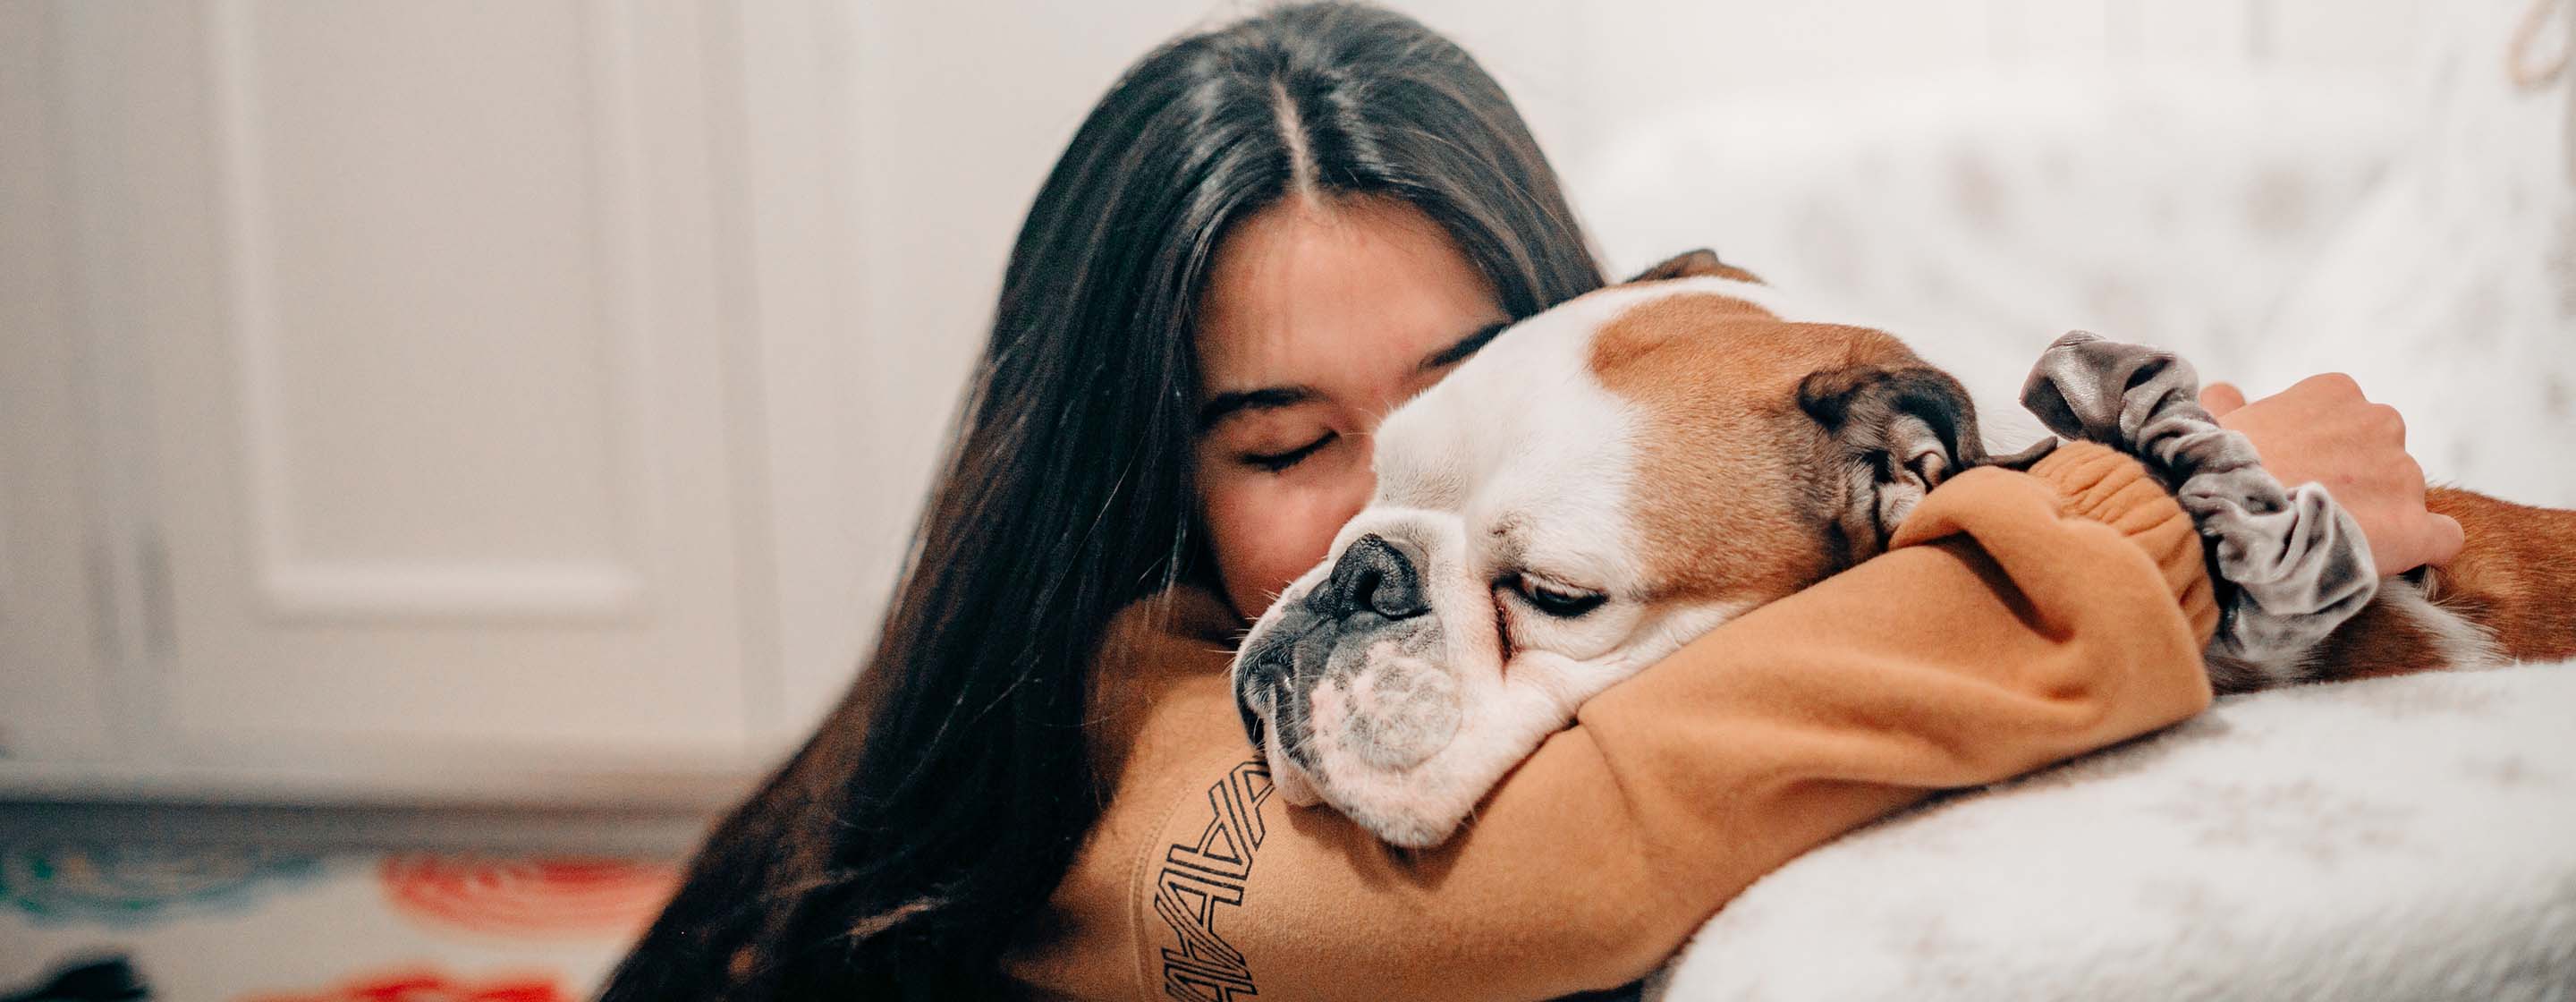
[(905, 847)]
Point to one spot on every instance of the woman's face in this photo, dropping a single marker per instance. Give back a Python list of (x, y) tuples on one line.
[(1321, 316)]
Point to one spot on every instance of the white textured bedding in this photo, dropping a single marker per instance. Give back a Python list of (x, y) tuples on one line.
[(2403, 838)]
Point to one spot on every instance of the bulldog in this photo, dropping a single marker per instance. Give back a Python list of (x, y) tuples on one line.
[(1617, 476)]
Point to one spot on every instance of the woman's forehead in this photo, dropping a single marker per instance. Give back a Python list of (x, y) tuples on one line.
[(1335, 296)]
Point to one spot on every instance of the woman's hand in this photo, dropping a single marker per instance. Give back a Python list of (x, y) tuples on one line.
[(2324, 430)]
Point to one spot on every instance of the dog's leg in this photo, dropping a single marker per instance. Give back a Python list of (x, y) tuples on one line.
[(2509, 596)]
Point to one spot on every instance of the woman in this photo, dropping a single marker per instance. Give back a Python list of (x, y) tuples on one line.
[(1261, 239)]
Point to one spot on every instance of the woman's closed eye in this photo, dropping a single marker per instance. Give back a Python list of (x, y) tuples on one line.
[(1277, 462)]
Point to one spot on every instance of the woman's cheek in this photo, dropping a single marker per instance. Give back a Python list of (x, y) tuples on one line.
[(1236, 504), (1270, 529)]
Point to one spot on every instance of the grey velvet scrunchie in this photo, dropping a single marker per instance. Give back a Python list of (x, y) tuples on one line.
[(2291, 565)]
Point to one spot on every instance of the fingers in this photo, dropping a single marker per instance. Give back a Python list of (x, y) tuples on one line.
[(2220, 398), (2328, 384), (2434, 540), (2391, 423), (2443, 539)]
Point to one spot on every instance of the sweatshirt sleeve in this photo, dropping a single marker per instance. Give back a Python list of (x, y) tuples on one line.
[(2019, 619)]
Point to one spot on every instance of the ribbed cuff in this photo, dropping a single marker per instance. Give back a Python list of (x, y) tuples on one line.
[(2094, 482)]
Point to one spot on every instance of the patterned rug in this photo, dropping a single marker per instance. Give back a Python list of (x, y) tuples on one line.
[(100, 921)]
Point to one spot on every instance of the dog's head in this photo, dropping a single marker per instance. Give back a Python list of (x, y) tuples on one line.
[(1604, 482)]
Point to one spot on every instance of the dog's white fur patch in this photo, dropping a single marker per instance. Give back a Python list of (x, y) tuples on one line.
[(2461, 643)]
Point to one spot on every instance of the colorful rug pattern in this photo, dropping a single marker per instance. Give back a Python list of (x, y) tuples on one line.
[(121, 885), (529, 897), (254, 925)]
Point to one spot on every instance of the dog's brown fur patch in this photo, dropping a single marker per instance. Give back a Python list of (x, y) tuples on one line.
[(2515, 581), (2379, 640), (1691, 264), (2516, 576), (1738, 487)]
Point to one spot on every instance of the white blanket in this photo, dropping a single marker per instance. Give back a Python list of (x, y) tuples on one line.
[(2404, 838)]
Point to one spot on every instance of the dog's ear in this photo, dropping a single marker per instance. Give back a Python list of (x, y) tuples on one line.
[(1894, 434), (1692, 264)]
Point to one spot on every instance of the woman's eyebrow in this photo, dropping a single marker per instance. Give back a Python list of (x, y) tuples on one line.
[(1464, 347), (1232, 402), (1228, 404)]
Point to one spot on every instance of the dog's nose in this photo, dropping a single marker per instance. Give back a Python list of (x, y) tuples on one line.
[(1375, 575)]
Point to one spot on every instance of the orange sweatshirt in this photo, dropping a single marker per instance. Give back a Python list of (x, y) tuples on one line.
[(2019, 619)]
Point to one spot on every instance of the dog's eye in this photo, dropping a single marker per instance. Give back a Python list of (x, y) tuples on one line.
[(1560, 601)]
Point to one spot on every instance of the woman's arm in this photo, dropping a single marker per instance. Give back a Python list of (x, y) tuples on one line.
[(2020, 619)]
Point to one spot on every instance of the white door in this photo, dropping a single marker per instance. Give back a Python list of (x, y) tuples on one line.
[(425, 315), (56, 645)]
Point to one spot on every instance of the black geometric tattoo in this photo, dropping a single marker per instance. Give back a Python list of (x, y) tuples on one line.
[(1197, 877)]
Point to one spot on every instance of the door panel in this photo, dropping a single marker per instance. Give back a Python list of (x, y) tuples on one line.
[(55, 635), (435, 372)]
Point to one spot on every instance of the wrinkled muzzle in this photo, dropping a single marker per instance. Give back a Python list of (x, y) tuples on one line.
[(1345, 687)]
